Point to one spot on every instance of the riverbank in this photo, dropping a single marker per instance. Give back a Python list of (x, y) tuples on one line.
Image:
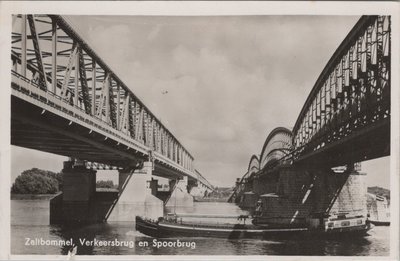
[(33, 196)]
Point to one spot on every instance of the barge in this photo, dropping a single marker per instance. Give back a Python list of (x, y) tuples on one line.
[(174, 227), (379, 223)]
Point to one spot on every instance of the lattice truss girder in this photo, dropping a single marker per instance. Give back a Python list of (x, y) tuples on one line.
[(47, 52), (354, 89)]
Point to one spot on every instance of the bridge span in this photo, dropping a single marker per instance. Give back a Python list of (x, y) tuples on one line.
[(66, 100), (313, 169)]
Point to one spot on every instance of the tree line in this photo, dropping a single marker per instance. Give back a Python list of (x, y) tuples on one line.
[(38, 181)]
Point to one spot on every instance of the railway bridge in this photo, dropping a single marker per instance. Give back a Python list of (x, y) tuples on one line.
[(313, 169)]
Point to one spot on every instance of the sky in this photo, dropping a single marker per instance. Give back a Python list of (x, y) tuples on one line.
[(219, 84)]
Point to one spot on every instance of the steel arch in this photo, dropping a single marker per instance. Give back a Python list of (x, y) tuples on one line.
[(349, 106), (277, 145)]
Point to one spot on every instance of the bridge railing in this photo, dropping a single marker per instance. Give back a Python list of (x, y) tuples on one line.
[(352, 91), (56, 60)]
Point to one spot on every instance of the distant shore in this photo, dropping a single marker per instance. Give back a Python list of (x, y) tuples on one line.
[(211, 199)]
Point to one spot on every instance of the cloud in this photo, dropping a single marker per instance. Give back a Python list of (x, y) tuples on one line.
[(117, 48)]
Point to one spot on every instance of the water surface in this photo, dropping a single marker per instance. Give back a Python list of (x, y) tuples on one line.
[(30, 219)]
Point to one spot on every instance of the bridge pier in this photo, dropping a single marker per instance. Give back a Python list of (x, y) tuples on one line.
[(299, 195), (199, 191), (249, 195), (180, 195), (137, 190), (81, 204), (76, 203)]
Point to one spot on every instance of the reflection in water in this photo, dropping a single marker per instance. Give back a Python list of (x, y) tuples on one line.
[(36, 225)]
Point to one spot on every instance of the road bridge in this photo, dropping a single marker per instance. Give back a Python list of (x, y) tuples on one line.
[(66, 100)]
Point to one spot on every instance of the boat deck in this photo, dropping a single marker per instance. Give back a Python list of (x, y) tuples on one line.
[(176, 228)]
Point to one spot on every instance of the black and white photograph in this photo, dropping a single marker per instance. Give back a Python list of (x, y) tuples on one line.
[(187, 132)]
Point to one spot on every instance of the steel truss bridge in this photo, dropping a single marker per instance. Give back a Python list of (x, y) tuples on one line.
[(66, 100), (346, 117)]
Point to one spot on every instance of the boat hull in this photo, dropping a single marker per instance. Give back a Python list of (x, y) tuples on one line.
[(379, 223), (169, 229)]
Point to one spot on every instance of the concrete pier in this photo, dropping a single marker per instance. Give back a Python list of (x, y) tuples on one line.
[(137, 190), (199, 191), (301, 194), (248, 200), (80, 203), (180, 195), (76, 203)]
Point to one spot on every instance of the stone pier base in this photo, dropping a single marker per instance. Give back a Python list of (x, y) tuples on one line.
[(136, 197), (248, 200), (180, 196), (305, 194), (76, 203)]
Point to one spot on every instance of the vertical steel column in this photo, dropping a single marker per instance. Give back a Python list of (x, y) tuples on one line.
[(364, 52), (23, 46), (153, 135), (178, 152), (175, 152), (364, 90), (339, 90), (354, 79), (374, 43), (107, 92), (169, 147), (76, 100), (347, 70), (181, 156), (54, 56), (118, 107), (93, 87), (386, 36)]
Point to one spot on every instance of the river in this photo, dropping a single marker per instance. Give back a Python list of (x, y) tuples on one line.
[(30, 219)]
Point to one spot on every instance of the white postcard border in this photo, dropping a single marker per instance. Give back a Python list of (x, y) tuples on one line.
[(190, 8)]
